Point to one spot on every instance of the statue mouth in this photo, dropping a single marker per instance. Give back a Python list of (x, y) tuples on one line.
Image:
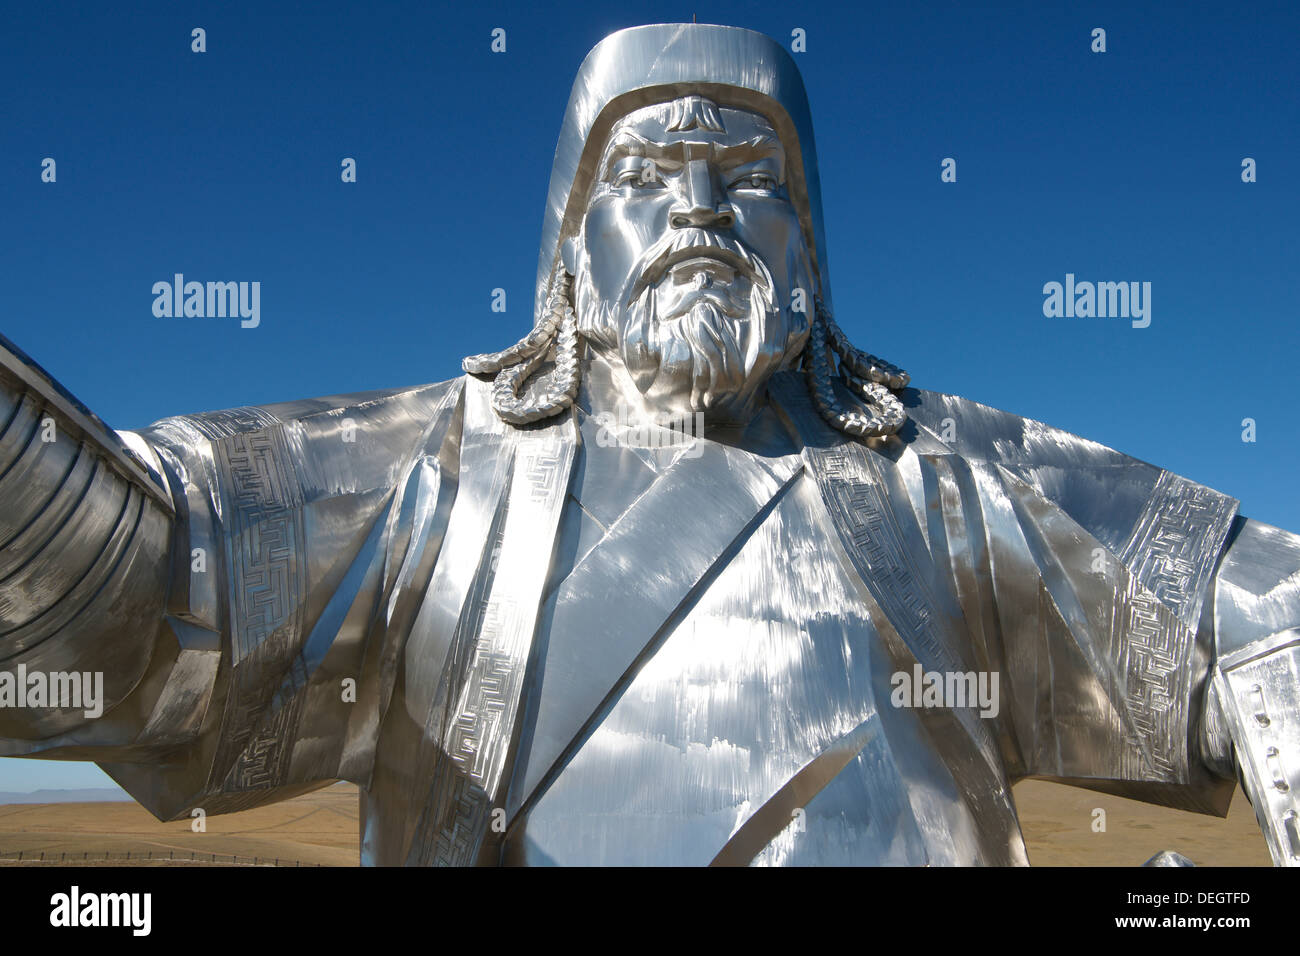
[(716, 261), (702, 270), (702, 275)]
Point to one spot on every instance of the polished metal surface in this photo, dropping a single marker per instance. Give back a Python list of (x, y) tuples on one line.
[(1168, 858), (681, 577), (682, 241)]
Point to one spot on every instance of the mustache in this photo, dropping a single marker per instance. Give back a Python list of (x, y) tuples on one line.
[(721, 362), (695, 243)]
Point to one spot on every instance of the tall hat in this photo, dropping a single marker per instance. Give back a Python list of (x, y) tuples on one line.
[(642, 66), (647, 65)]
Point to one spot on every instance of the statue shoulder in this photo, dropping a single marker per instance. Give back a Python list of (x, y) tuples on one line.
[(1120, 500), (982, 433), (336, 444), (415, 403)]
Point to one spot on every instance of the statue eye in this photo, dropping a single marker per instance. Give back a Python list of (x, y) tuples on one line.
[(760, 182), (640, 176)]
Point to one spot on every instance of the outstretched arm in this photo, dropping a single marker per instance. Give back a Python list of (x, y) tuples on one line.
[(85, 545), (1253, 715), (239, 581)]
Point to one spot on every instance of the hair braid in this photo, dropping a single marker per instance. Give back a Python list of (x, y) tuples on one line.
[(519, 398), (865, 375)]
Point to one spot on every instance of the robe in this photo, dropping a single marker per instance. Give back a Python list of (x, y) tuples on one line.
[(532, 646)]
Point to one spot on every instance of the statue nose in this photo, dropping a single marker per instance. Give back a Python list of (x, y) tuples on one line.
[(699, 205)]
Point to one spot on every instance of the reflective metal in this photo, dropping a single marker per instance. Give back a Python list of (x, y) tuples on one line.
[(1168, 858), (669, 581)]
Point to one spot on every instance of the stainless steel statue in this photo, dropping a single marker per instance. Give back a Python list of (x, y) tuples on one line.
[(542, 617)]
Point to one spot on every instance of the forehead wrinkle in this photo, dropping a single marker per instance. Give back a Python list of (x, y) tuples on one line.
[(677, 152), (631, 144), (623, 143), (626, 142), (760, 147)]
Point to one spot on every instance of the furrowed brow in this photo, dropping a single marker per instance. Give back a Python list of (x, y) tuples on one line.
[(628, 143), (758, 148), (671, 155)]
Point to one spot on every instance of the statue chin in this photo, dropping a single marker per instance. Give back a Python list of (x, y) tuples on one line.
[(709, 357)]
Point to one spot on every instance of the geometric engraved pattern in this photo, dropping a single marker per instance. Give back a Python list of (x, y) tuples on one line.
[(1152, 656), (472, 771), (264, 762), (1170, 556), (264, 500), (1175, 543), (1127, 646), (853, 493), (265, 564), (853, 488), (1147, 646)]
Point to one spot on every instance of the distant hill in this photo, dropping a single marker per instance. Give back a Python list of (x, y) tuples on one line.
[(88, 795), (317, 829)]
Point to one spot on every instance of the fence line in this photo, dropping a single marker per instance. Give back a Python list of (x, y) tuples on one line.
[(173, 856)]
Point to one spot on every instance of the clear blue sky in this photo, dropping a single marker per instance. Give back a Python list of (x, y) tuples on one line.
[(225, 166)]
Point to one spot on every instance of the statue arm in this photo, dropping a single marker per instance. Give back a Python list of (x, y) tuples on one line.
[(237, 579), (86, 530), (1252, 714)]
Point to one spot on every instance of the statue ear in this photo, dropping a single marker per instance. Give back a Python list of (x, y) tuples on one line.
[(569, 255)]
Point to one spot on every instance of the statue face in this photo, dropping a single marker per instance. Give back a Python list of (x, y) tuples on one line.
[(688, 258)]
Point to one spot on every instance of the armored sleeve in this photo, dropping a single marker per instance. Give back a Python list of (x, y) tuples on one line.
[(1253, 716), (1088, 575), (85, 539), (237, 579)]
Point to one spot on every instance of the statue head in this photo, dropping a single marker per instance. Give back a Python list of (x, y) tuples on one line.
[(682, 243), (688, 258)]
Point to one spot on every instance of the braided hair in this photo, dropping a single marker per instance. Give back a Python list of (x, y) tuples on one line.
[(521, 396)]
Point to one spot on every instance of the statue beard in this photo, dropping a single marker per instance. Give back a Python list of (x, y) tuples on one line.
[(699, 346)]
